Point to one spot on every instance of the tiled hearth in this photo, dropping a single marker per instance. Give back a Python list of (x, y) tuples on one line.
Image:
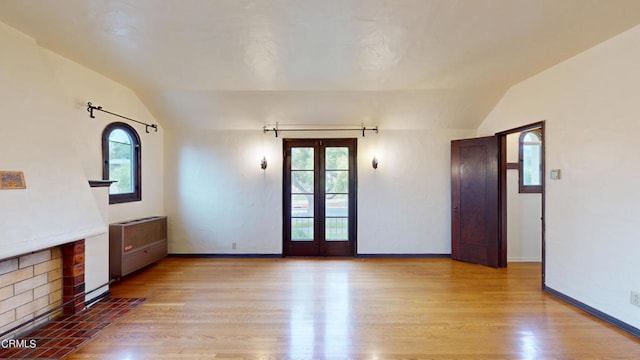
[(35, 284), (61, 337)]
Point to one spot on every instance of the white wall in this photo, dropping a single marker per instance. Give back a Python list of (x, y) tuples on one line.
[(524, 228), (404, 207), (79, 85), (217, 194), (96, 268), (36, 137), (590, 104), (47, 133)]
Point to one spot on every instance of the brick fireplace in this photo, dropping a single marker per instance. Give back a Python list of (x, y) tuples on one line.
[(36, 283), (73, 277)]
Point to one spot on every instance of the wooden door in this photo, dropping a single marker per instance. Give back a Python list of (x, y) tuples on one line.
[(475, 202), (319, 197)]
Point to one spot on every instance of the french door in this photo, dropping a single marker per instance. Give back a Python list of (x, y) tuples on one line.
[(319, 197)]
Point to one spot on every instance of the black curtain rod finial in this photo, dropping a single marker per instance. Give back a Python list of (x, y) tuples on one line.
[(90, 109), (265, 130), (154, 126)]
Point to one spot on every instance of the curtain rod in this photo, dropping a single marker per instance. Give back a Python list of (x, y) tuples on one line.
[(90, 109), (362, 128)]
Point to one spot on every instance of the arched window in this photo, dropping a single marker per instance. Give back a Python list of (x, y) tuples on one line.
[(531, 161), (121, 162)]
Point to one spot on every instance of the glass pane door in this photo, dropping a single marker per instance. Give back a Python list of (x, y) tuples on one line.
[(336, 194), (302, 194), (319, 197)]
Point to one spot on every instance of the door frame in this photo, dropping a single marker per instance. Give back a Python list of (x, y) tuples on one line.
[(325, 250), (502, 186)]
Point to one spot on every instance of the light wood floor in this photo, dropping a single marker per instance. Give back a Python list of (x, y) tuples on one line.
[(349, 309)]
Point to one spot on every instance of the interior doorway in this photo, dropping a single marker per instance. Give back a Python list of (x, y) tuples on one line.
[(319, 216), (524, 196), (505, 165), (479, 196)]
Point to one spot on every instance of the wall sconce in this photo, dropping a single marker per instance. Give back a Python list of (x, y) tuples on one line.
[(374, 162), (263, 163)]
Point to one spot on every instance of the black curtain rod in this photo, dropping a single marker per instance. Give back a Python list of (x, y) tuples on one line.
[(90, 109), (363, 129)]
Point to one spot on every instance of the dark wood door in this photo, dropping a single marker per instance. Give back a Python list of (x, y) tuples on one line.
[(475, 201), (319, 197)]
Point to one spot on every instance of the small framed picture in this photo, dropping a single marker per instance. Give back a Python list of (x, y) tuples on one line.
[(10, 180)]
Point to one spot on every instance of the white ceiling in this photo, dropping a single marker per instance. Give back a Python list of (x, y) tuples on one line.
[(397, 63)]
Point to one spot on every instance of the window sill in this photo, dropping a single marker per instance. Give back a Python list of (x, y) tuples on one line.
[(101, 183)]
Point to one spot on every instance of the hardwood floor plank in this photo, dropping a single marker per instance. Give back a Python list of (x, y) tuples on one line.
[(349, 309)]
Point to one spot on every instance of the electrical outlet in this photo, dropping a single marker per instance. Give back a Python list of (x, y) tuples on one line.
[(234, 246), (635, 298)]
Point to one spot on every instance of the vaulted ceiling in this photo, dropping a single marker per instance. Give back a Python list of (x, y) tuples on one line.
[(228, 64)]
